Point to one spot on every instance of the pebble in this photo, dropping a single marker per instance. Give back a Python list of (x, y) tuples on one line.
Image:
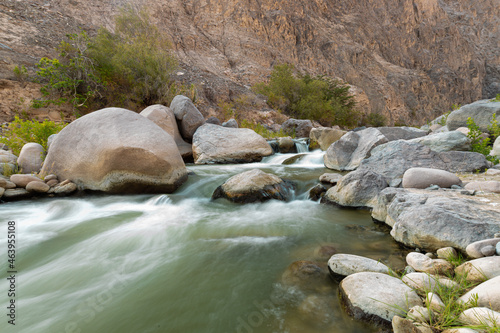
[(420, 314), (474, 249), (488, 250), (52, 182), (37, 187), (50, 177)]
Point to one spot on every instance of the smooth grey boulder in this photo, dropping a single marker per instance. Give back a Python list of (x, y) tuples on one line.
[(286, 145), (481, 111), (432, 220), (30, 158), (165, 118), (376, 297), (231, 123), (348, 152), (330, 178), (300, 127), (118, 151), (474, 249), (480, 316), (187, 115), (21, 180), (217, 144), (359, 188), (341, 265), (7, 157), (50, 139), (254, 186), (445, 141), (325, 136), (485, 186), (420, 314), (488, 294), (401, 133), (393, 159), (422, 263), (481, 269), (447, 253), (37, 187), (425, 177)]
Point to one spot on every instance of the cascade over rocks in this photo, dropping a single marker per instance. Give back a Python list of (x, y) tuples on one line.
[(348, 152), (481, 111), (188, 116), (432, 220), (217, 144), (164, 117), (254, 186), (118, 151)]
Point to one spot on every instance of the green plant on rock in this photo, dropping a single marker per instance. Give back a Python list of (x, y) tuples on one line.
[(19, 132), (303, 96), (21, 73), (494, 128), (444, 117), (496, 99), (263, 131), (479, 144)]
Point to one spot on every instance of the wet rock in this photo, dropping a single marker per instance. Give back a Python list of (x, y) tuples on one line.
[(21, 180), (231, 123), (474, 249), (485, 186), (393, 159), (348, 152), (481, 269), (134, 155), (425, 177), (165, 118), (401, 133), (254, 186), (187, 115), (359, 188), (15, 194), (31, 158), (317, 192), (480, 111), (480, 316), (286, 145), (445, 141), (341, 265), (37, 187), (301, 128), (330, 178), (431, 220), (374, 297), (216, 144), (64, 188), (317, 310), (488, 294), (325, 136), (305, 275), (422, 263)]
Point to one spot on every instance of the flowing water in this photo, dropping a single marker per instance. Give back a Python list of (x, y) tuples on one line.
[(181, 262)]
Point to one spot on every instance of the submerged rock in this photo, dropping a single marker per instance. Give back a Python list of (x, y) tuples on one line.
[(305, 275), (217, 144), (254, 186), (118, 151)]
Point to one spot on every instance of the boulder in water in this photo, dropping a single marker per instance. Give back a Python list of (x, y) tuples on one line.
[(254, 186), (118, 151)]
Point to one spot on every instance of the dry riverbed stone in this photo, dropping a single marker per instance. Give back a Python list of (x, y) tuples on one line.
[(488, 294), (422, 263), (37, 187), (21, 180), (376, 297), (425, 177), (474, 250), (341, 265), (481, 269)]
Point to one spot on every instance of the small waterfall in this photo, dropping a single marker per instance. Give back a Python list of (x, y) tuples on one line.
[(302, 145)]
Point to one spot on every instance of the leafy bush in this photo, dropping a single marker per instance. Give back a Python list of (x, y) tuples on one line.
[(19, 132), (133, 64), (21, 73), (479, 144), (375, 119), (496, 99), (302, 96)]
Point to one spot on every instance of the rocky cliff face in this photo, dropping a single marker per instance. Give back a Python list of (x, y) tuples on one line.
[(408, 59)]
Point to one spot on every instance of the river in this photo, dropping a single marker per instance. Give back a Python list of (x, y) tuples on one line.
[(180, 262)]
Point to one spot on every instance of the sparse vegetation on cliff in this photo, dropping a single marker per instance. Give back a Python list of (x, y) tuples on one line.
[(303, 96)]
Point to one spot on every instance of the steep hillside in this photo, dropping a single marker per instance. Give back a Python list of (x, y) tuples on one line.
[(408, 59)]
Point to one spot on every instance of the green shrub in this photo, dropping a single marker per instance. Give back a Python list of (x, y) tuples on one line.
[(302, 96), (444, 118), (19, 132), (496, 99), (375, 119), (262, 130), (479, 144), (21, 73)]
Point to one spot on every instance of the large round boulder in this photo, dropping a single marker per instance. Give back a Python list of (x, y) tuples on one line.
[(325, 136), (188, 116), (481, 111), (165, 118), (425, 177), (118, 151), (31, 158), (217, 144), (254, 186), (376, 297)]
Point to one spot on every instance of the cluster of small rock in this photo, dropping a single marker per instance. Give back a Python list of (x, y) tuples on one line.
[(370, 291), (22, 186)]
